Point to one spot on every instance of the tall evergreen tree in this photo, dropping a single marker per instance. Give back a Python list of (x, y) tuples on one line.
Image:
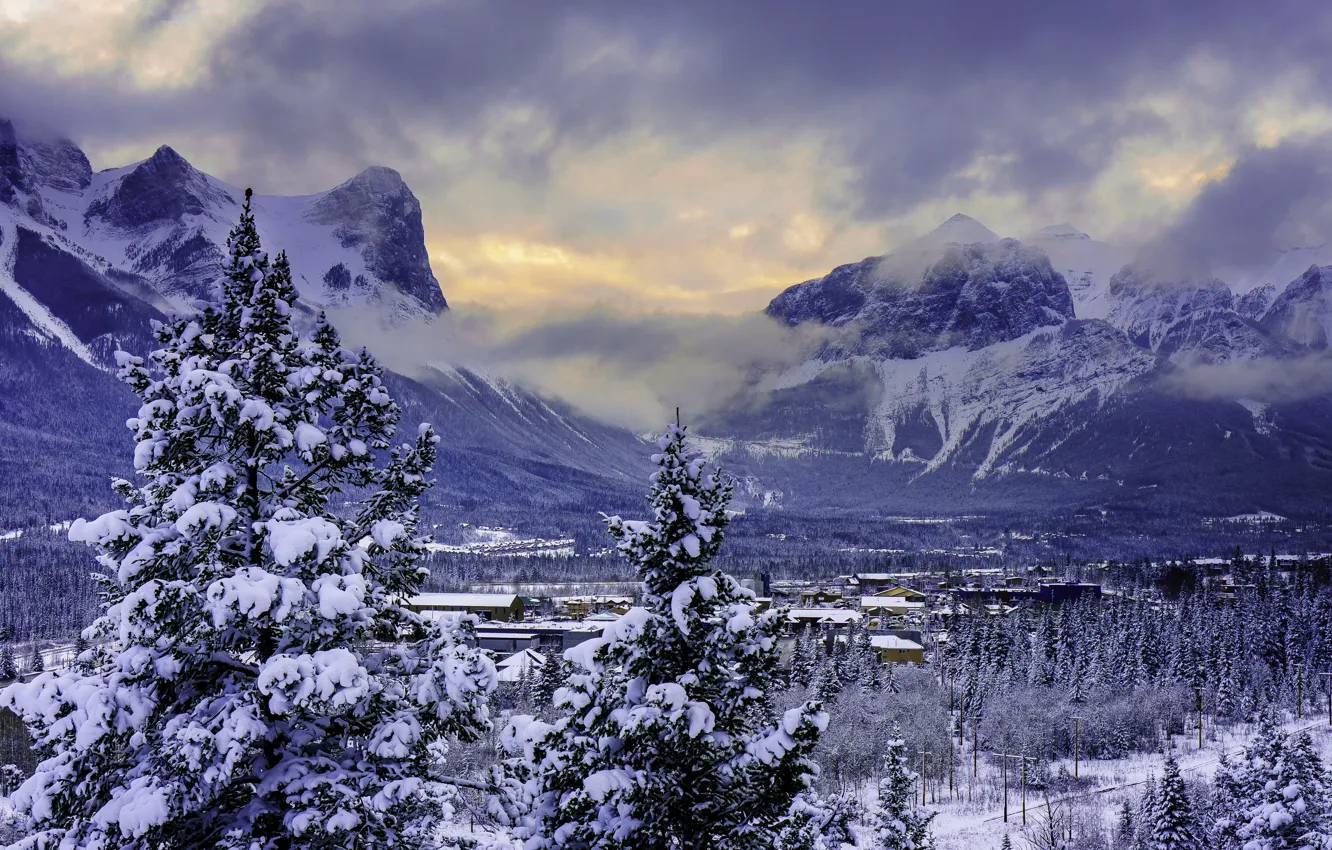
[(668, 741), (899, 823), (1126, 828), (550, 679), (1173, 825), (1222, 817), (263, 684), (8, 666)]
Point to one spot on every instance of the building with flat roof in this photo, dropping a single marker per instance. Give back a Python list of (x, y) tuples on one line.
[(499, 607), (541, 635)]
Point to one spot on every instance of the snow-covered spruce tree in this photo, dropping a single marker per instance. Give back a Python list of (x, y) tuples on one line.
[(1126, 830), (1285, 797), (261, 684), (1223, 813), (900, 824), (667, 742), (8, 665), (550, 679), (1173, 825)]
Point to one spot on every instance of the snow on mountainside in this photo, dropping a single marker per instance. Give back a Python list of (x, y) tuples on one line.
[(1145, 306), (160, 225), (973, 372), (1303, 312), (932, 408), (1085, 263), (88, 260)]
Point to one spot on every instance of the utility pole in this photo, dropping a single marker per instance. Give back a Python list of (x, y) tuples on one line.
[(1004, 757), (1198, 692), (1025, 759), (1299, 691), (950, 768), (1076, 718), (1327, 686), (975, 748), (924, 750)]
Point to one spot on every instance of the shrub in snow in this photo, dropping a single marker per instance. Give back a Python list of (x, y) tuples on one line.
[(819, 824), (259, 683), (668, 739)]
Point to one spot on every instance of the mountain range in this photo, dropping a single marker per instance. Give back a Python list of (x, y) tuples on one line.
[(969, 372), (976, 371), (89, 259)]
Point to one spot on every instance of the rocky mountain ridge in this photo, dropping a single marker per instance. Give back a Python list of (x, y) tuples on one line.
[(89, 260), (991, 373)]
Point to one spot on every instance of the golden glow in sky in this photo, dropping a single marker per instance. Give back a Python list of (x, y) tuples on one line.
[(640, 218)]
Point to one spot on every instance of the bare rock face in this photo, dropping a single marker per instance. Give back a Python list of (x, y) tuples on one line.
[(376, 212), (163, 188)]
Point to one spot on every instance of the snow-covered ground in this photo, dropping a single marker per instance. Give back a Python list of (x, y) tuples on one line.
[(973, 818)]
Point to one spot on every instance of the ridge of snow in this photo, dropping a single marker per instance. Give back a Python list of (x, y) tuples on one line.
[(1012, 385), (42, 318)]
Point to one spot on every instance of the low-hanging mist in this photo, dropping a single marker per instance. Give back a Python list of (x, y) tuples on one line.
[(631, 370)]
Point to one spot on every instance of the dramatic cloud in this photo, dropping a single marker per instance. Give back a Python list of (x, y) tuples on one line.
[(1271, 198), (698, 155)]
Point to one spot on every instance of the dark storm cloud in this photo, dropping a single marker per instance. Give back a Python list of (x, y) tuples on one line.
[(908, 93), (1238, 221), (911, 92)]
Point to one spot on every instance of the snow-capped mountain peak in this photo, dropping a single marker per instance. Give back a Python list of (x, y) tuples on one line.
[(162, 189), (960, 229), (157, 227)]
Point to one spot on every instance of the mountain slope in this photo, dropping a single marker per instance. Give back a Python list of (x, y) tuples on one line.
[(1302, 313), (88, 261), (1024, 405)]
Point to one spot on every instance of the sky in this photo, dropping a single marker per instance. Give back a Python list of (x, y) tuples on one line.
[(698, 156)]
